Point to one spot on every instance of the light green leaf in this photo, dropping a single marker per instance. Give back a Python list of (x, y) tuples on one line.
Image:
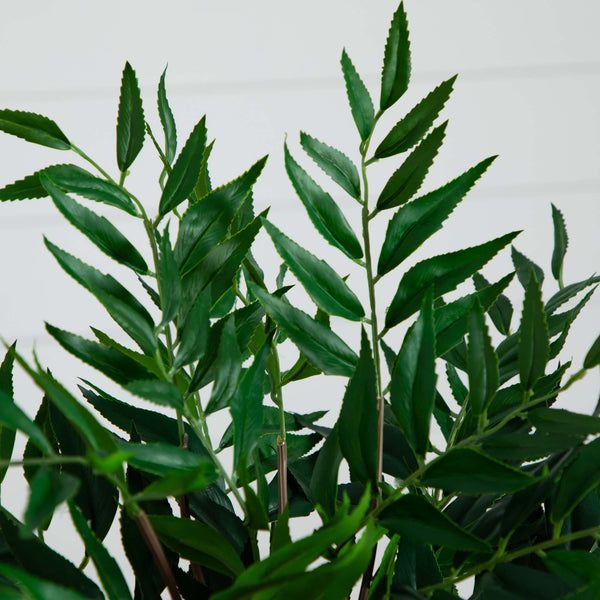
[(324, 213), (203, 185), (412, 389), (407, 132), (445, 272), (108, 570), (416, 222), (469, 471), (130, 120), (406, 181), (359, 98), (482, 362), (533, 336), (323, 348), (335, 163), (98, 229), (327, 289), (184, 174), (359, 418), (33, 128), (158, 391), (561, 242), (395, 74), (166, 119)]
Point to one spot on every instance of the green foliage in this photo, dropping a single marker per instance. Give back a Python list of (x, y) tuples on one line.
[(507, 493)]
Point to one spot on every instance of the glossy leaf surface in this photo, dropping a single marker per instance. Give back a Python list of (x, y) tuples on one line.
[(33, 128), (359, 98), (130, 120)]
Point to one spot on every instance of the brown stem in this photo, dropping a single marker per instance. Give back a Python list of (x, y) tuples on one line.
[(158, 553), (184, 511), (282, 473)]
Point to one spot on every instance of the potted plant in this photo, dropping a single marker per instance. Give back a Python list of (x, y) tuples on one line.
[(508, 497)]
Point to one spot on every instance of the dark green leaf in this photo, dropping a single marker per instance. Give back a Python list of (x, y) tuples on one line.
[(335, 163), (7, 434), (203, 185), (110, 574), (469, 471), (194, 333), (33, 128), (527, 447), (556, 420), (445, 272), (122, 306), (359, 98), (382, 581), (166, 119), (458, 388), (568, 292), (41, 561), (323, 348), (406, 181), (130, 120), (533, 336), (409, 131), (204, 225), (324, 213), (280, 532), (184, 174), (416, 567), (416, 222), (412, 388), (199, 543), (34, 588), (482, 362), (592, 358), (501, 310), (178, 483), (169, 281), (574, 567), (158, 391), (98, 229), (395, 74), (160, 458), (561, 241), (49, 489), (523, 266), (323, 484), (414, 518), (328, 290), (246, 407), (359, 417)]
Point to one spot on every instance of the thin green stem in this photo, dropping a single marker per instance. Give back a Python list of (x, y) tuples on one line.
[(49, 460), (93, 163)]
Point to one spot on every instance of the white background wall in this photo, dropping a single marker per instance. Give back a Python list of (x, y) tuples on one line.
[(528, 88)]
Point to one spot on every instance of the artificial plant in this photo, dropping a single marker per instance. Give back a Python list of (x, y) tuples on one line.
[(510, 495)]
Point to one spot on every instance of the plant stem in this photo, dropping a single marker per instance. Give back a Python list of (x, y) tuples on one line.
[(50, 460)]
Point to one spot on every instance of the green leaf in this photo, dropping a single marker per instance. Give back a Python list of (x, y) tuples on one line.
[(166, 119), (33, 128), (178, 483), (158, 391), (527, 447), (533, 336), (580, 476), (469, 471), (122, 306), (328, 290), (445, 272), (416, 567), (323, 484), (359, 98), (409, 131), (194, 333), (561, 241), (414, 518), (406, 181), (501, 310), (412, 389), (228, 368), (204, 225), (323, 348), (568, 292), (160, 458), (324, 213), (482, 362), (7, 434), (98, 229), (49, 489), (203, 185), (335, 163), (523, 266), (73, 179), (41, 561), (359, 418), (184, 174), (556, 420), (110, 574), (169, 281), (416, 222), (35, 588), (382, 581), (130, 120), (592, 358), (246, 408), (574, 567), (199, 543), (395, 74)]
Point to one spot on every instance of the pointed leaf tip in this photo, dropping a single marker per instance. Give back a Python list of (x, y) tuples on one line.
[(130, 120)]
